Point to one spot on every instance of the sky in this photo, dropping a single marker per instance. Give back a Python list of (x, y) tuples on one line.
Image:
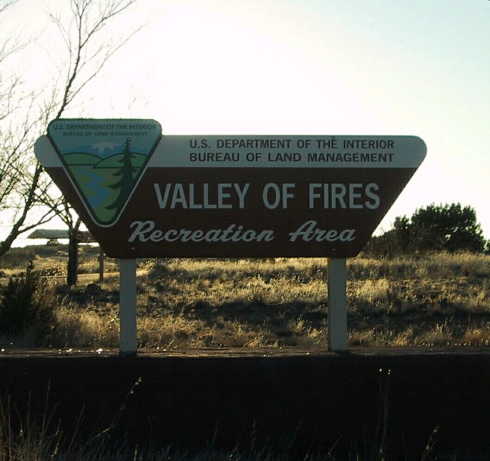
[(332, 67)]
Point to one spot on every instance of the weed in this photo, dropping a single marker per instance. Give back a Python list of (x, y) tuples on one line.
[(27, 306), (27, 435)]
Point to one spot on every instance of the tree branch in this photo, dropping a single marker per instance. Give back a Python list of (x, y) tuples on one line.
[(21, 183)]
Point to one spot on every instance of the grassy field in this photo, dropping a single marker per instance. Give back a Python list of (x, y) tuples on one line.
[(439, 300)]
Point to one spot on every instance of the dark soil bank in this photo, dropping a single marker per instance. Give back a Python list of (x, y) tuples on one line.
[(294, 401)]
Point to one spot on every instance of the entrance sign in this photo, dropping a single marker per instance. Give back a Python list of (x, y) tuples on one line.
[(142, 194)]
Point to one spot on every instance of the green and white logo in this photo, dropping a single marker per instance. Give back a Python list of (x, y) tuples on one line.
[(104, 159)]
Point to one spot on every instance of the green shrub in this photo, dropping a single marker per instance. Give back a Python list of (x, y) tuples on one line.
[(26, 306)]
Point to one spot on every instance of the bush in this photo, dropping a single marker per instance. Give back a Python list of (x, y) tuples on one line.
[(25, 306), (435, 228), (449, 227)]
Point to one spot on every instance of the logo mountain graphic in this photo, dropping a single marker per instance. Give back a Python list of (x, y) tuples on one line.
[(104, 160)]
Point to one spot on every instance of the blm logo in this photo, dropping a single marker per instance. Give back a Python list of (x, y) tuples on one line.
[(104, 160)]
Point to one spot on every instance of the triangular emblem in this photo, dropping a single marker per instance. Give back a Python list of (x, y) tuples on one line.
[(104, 159)]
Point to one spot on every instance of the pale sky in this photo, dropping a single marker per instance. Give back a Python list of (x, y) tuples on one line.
[(333, 67)]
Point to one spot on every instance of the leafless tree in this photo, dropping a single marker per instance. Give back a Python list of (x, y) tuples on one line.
[(73, 222), (24, 114)]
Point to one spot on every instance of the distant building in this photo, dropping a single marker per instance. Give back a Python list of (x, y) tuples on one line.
[(55, 234)]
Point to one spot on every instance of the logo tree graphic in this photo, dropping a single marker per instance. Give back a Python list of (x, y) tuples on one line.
[(125, 184)]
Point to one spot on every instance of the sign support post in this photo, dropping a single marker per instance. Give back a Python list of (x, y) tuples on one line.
[(337, 305), (127, 307)]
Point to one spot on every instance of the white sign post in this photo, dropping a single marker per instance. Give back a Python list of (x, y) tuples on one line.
[(127, 308), (337, 305)]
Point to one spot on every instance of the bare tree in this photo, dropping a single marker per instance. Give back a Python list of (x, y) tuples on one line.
[(24, 114)]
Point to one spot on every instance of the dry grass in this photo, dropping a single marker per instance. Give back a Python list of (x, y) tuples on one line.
[(77, 328), (438, 301)]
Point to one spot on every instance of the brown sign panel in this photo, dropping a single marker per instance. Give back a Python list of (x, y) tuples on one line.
[(234, 196)]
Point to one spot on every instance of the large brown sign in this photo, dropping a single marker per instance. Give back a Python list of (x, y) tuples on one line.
[(146, 195)]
